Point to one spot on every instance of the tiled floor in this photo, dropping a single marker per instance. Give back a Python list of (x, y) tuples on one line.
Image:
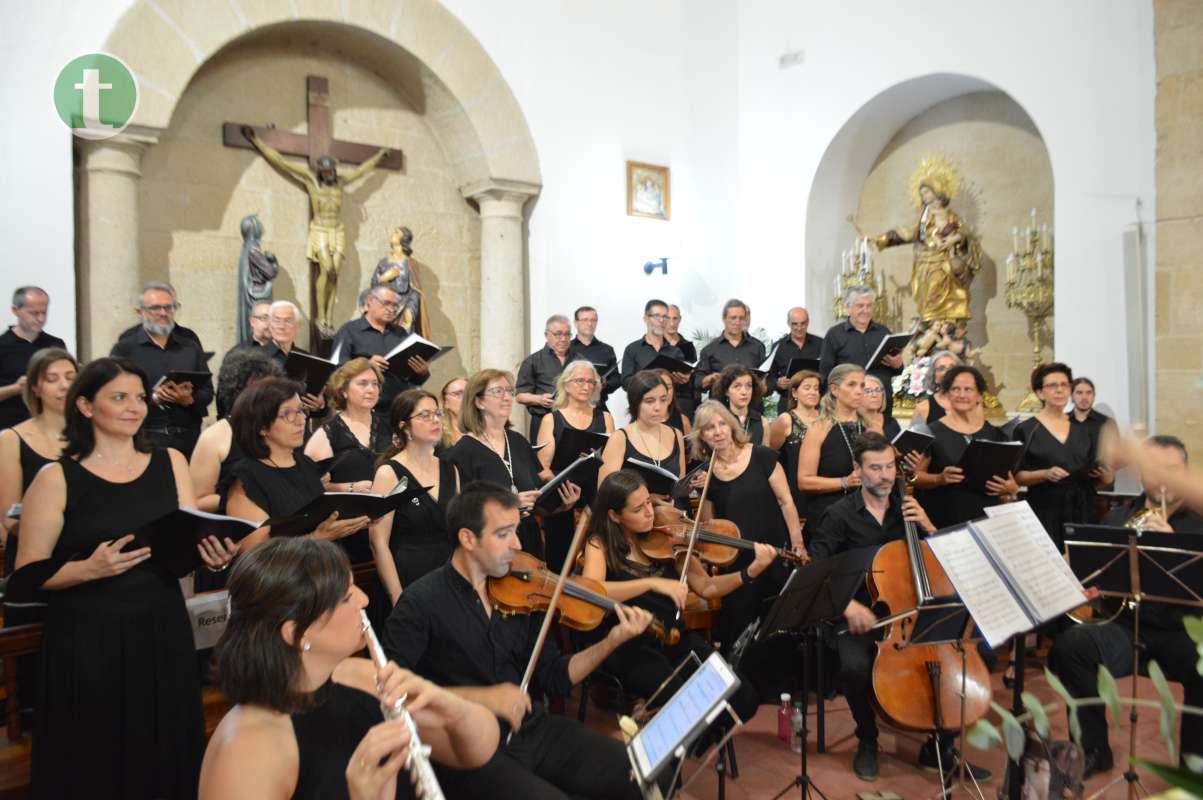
[(766, 765)]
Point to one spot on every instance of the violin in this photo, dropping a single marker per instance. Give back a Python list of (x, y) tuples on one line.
[(718, 543), (918, 686), (583, 604)]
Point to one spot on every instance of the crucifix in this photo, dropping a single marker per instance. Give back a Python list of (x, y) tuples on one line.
[(326, 245)]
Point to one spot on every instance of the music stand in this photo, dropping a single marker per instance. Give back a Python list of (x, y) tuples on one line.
[(1136, 566), (814, 594)]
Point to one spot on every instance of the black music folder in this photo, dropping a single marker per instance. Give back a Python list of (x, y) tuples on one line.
[(193, 378), (413, 345), (174, 537), (579, 470), (659, 480), (671, 364), (313, 371), (892, 344), (796, 365), (575, 442), (348, 505), (983, 459), (912, 441)]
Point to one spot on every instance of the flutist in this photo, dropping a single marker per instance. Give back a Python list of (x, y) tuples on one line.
[(307, 721)]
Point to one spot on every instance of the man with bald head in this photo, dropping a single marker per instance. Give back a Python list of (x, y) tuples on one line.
[(798, 343)]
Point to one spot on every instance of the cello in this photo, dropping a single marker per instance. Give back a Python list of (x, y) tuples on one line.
[(919, 686)]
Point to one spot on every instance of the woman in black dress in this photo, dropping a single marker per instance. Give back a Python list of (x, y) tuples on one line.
[(789, 429), (119, 705), (873, 401), (576, 405), (453, 399), (948, 501), (1057, 455), (825, 461), (306, 722), (356, 436), (749, 488), (935, 403), (411, 541), (274, 480), (490, 451), (676, 418), (742, 392), (647, 440)]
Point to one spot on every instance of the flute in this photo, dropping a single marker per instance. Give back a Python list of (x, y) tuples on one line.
[(417, 762)]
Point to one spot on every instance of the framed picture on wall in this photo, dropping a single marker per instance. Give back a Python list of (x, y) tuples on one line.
[(647, 191)]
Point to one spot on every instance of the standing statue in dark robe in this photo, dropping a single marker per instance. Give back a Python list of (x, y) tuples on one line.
[(399, 272), (256, 271)]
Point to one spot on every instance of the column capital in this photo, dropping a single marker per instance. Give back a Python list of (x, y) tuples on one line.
[(121, 154), (500, 197)]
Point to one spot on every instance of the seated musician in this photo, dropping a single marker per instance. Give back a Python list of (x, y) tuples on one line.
[(307, 721), (871, 517), (1078, 651), (622, 514), (446, 629)]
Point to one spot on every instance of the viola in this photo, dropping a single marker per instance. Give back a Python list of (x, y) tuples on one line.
[(583, 603), (918, 686), (718, 543)]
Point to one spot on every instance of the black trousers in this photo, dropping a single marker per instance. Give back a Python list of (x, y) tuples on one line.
[(857, 652), (549, 758), (1078, 651)]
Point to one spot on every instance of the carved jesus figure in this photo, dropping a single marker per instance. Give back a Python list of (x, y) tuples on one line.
[(327, 242)]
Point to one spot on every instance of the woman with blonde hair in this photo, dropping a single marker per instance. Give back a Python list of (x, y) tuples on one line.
[(453, 398), (825, 460), (355, 436), (873, 403)]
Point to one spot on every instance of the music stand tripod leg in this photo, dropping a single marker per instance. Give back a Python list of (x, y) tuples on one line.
[(1135, 787), (802, 780)]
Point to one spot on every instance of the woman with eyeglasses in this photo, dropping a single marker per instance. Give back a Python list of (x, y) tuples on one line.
[(356, 435), (453, 400), (577, 405), (739, 389), (275, 480), (491, 451), (873, 401), (1057, 454), (948, 500), (411, 541)]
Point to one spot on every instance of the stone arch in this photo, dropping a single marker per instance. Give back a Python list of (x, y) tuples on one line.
[(472, 110)]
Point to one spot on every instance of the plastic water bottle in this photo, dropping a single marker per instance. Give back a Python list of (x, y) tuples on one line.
[(784, 719), (795, 739)]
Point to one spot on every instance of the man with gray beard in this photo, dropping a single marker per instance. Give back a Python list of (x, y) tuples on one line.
[(159, 346)]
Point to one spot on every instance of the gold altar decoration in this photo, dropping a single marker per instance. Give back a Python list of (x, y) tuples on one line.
[(1030, 288), (938, 174), (856, 269)]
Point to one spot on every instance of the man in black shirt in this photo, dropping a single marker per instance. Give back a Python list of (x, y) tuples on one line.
[(588, 347), (445, 628), (373, 336), (1079, 650), (797, 344), (536, 387), (872, 517), (686, 399), (17, 346), (735, 346), (284, 318), (643, 351), (1103, 433), (854, 341), (161, 346)]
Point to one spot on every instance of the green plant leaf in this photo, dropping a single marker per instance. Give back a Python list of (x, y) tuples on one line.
[(1194, 629), (983, 735), (1179, 777), (1169, 709), (1071, 704), (1193, 762), (1109, 692), (1013, 733), (1034, 707)]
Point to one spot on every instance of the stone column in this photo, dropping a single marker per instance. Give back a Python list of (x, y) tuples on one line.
[(109, 273), (503, 288)]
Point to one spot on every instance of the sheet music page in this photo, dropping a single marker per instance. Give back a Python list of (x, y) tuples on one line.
[(1018, 543), (990, 602)]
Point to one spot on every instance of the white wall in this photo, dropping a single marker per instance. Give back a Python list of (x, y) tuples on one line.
[(695, 84)]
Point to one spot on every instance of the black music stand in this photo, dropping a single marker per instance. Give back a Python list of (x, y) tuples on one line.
[(1136, 566), (814, 594)]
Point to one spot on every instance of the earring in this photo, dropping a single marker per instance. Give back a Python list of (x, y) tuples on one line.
[(305, 645)]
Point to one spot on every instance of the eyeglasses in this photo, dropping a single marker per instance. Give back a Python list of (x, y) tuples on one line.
[(426, 416), (283, 320), (874, 390), (558, 334), (499, 391), (293, 414), (387, 303), (162, 309), (1056, 385), (583, 382), (260, 317), (457, 393)]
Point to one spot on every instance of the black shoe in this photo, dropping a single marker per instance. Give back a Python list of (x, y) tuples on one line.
[(865, 762), (949, 758), (1096, 761)]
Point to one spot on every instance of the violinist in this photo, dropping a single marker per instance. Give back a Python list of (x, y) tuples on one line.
[(871, 517), (622, 516), (446, 629)]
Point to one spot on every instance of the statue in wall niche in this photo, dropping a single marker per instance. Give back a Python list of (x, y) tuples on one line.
[(257, 268), (946, 256), (327, 242), (399, 272)]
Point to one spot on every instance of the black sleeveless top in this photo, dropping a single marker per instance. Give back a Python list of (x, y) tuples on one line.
[(225, 473), (585, 478), (835, 461), (279, 491), (419, 541), (354, 461), (327, 734), (791, 448), (31, 461), (934, 409), (656, 484), (754, 426), (748, 500)]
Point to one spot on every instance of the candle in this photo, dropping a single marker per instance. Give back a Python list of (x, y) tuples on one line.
[(838, 287), (1015, 239), (1011, 268)]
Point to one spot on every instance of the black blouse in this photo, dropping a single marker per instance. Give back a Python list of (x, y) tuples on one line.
[(953, 504), (1066, 500), (353, 461), (279, 491)]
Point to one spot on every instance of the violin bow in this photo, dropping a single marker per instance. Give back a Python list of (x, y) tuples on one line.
[(577, 537), (697, 519)]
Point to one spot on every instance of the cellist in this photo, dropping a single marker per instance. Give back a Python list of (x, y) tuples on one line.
[(871, 517), (446, 629)]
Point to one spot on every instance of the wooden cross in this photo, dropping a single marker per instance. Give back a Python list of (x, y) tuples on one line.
[(320, 139)]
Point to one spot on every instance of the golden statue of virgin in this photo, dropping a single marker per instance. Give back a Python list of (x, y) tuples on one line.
[(946, 258)]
